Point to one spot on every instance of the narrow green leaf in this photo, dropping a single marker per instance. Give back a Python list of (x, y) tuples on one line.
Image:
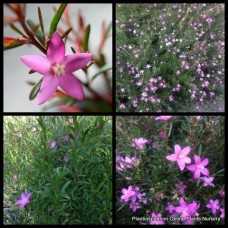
[(170, 129), (56, 18), (86, 38), (36, 30), (15, 29), (200, 150), (35, 90), (13, 45), (65, 34), (41, 21), (101, 71), (64, 187), (108, 29)]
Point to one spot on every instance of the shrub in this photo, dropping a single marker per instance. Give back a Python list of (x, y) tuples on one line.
[(170, 55), (64, 163)]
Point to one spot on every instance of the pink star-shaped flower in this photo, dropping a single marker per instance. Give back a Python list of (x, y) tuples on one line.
[(207, 181), (139, 142), (187, 210), (57, 69), (156, 219), (180, 156), (127, 193), (198, 167), (24, 200), (213, 204)]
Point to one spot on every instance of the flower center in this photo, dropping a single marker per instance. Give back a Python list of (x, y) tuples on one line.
[(59, 69), (200, 167), (181, 156)]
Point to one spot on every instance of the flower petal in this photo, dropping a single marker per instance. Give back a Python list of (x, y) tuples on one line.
[(36, 62), (192, 168), (56, 48), (204, 162), (48, 87), (181, 164), (182, 202), (177, 148), (197, 174), (187, 160), (76, 61), (205, 172), (186, 150), (71, 86), (172, 157), (23, 196), (179, 209), (197, 159)]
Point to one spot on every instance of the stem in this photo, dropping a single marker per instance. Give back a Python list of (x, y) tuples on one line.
[(32, 38)]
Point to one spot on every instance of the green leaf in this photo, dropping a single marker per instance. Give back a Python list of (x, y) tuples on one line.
[(56, 19), (35, 90), (66, 33), (64, 187), (170, 129), (86, 38), (41, 21), (101, 71), (37, 32), (15, 29), (108, 29), (13, 45), (200, 150)]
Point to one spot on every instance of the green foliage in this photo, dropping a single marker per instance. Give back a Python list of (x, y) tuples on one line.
[(159, 34), (77, 192)]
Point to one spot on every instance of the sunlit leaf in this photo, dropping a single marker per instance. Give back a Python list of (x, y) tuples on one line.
[(10, 42), (41, 22), (101, 71), (56, 18), (15, 29), (35, 90), (86, 39), (36, 30)]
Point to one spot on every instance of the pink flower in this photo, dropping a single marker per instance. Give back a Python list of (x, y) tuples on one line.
[(163, 118), (180, 156), (170, 98), (171, 209), (122, 164), (127, 194), (24, 200), (207, 181), (15, 176), (222, 212), (187, 210), (139, 143), (66, 138), (66, 159), (156, 219), (71, 120), (122, 106), (134, 206), (222, 193), (177, 72), (57, 69), (53, 144), (162, 134), (213, 205), (198, 167)]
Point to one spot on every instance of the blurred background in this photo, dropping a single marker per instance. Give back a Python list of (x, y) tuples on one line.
[(16, 90)]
